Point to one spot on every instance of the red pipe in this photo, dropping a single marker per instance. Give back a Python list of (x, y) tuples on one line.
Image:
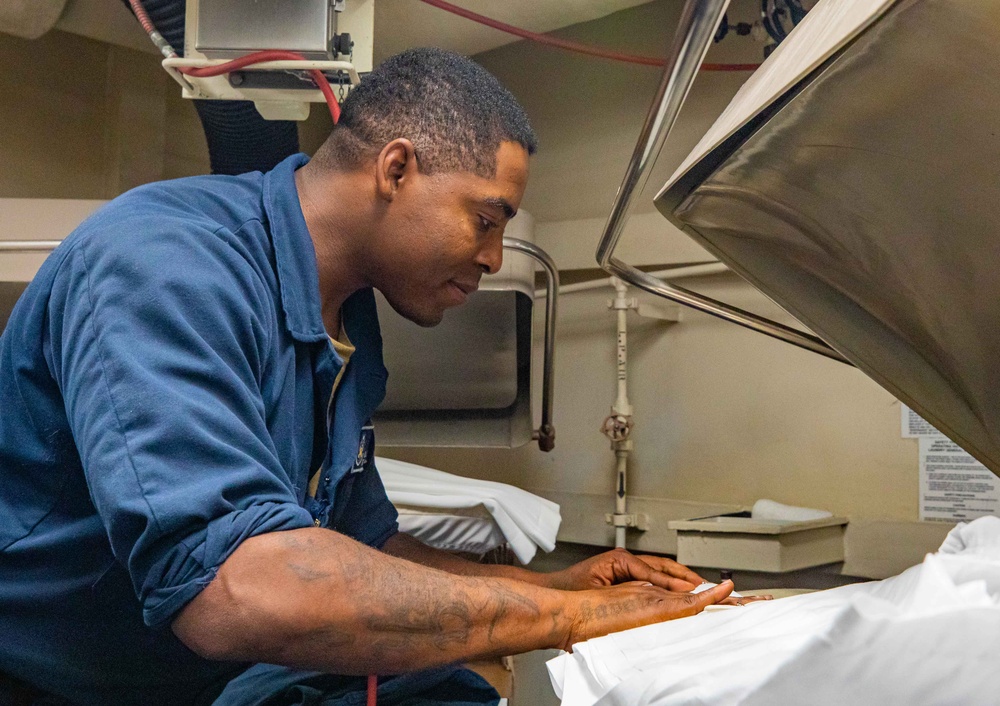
[(258, 57), (572, 46)]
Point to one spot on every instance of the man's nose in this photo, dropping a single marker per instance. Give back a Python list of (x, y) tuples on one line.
[(490, 257)]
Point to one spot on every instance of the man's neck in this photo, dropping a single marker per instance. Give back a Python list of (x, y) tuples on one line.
[(338, 228)]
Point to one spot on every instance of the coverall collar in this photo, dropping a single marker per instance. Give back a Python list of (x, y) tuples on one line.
[(294, 252)]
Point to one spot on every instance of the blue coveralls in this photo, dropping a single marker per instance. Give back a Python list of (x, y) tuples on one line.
[(164, 390)]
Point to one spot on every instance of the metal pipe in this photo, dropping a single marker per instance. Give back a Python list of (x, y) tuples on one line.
[(622, 408), (621, 307), (695, 30), (28, 245), (621, 489), (690, 44), (546, 432), (656, 286), (672, 273)]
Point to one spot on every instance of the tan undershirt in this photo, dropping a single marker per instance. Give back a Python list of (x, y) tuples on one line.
[(345, 349)]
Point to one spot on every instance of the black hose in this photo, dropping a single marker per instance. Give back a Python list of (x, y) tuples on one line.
[(239, 139)]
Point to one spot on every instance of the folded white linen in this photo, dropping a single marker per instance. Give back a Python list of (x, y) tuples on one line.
[(770, 510), (928, 637), (474, 533), (526, 520)]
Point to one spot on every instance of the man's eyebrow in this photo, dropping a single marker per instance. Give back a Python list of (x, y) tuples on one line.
[(501, 203)]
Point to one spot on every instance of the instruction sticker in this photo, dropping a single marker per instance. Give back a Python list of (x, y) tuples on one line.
[(914, 426), (954, 486)]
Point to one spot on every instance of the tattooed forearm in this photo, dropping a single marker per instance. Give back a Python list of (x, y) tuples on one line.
[(449, 619), (307, 573), (314, 599), (446, 623), (508, 605)]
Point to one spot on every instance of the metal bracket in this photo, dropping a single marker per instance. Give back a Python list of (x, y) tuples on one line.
[(695, 30), (670, 313), (545, 435), (638, 521)]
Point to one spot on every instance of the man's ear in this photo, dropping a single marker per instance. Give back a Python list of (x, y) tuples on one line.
[(395, 163)]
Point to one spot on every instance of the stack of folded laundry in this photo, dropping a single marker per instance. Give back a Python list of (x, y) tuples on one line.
[(468, 515)]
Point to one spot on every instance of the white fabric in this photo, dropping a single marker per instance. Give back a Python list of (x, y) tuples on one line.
[(526, 520), (770, 510), (457, 533), (708, 584), (928, 637)]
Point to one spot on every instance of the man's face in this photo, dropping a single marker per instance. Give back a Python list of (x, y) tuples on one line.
[(443, 232)]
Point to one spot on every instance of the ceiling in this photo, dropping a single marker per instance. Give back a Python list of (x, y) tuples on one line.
[(429, 26), (399, 24)]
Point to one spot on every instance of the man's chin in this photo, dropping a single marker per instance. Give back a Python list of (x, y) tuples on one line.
[(426, 319)]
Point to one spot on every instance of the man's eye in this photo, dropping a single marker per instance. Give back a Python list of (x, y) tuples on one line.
[(485, 224)]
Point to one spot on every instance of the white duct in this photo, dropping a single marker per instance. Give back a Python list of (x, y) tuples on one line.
[(29, 19)]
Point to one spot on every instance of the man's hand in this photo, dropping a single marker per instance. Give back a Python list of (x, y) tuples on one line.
[(603, 611), (620, 566)]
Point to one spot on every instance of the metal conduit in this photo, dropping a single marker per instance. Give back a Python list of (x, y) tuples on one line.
[(546, 432), (690, 44), (28, 245)]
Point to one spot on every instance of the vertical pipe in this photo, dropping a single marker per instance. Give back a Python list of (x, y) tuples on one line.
[(622, 401), (622, 409), (620, 491)]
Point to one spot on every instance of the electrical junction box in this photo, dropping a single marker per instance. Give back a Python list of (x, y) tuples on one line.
[(738, 541), (231, 28)]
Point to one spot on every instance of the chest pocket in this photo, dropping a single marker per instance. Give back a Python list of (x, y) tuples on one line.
[(335, 489), (366, 449)]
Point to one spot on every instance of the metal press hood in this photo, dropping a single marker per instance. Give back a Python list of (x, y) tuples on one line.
[(856, 181)]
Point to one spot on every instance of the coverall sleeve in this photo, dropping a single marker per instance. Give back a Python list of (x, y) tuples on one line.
[(160, 348)]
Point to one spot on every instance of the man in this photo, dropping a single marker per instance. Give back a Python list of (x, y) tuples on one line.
[(185, 447)]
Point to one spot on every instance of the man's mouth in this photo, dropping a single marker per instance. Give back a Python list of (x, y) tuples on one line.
[(463, 289)]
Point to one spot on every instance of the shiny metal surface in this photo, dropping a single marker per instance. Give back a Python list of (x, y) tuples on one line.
[(28, 245), (546, 432), (688, 48), (691, 42), (231, 28), (865, 204)]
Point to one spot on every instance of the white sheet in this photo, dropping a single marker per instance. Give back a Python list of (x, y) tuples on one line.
[(475, 533), (930, 636), (765, 510), (526, 520)]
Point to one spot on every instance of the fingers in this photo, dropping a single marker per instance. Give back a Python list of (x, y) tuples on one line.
[(716, 594), (744, 600), (634, 568), (673, 569), (659, 571), (635, 603)]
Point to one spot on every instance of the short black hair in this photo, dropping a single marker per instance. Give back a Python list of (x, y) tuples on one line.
[(455, 112)]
